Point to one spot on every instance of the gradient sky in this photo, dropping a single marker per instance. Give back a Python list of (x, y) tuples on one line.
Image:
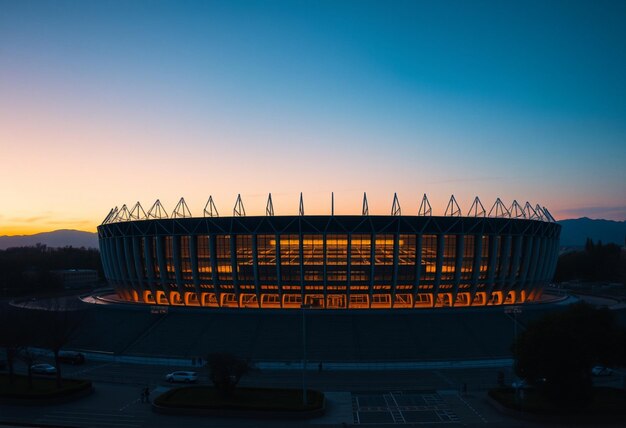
[(113, 102)]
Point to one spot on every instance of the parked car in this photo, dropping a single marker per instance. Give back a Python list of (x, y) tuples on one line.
[(45, 369), (601, 371), (71, 357), (182, 376)]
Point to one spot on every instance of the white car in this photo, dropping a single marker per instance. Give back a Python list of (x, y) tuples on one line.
[(182, 376), (601, 371), (46, 369)]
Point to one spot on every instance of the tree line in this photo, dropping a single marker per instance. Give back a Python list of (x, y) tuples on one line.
[(597, 262), (25, 270)]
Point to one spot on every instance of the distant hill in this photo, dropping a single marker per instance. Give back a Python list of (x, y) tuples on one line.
[(575, 232), (57, 238)]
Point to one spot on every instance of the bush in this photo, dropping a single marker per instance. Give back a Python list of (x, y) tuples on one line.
[(561, 349), (604, 402)]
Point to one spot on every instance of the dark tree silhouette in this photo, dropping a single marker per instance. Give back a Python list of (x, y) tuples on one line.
[(28, 326), (60, 321), (11, 336), (597, 262), (27, 269), (225, 371), (561, 348)]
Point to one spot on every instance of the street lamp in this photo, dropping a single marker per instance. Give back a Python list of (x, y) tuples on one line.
[(303, 307), (514, 310)]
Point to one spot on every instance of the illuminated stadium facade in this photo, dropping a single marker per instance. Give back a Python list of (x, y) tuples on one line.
[(330, 261)]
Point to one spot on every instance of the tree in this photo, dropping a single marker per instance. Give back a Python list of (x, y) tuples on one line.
[(225, 371), (11, 337), (559, 350), (60, 321), (19, 329)]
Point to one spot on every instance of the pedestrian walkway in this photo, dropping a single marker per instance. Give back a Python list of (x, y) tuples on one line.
[(403, 408), (90, 419)]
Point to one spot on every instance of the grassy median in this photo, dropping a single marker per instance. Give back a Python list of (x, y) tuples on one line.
[(42, 388), (245, 399)]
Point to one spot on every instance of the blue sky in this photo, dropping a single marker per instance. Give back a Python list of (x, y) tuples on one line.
[(117, 101)]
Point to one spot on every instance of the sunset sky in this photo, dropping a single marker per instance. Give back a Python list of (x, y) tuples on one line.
[(112, 102)]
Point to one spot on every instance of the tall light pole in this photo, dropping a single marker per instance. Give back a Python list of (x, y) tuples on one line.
[(514, 310), (304, 307)]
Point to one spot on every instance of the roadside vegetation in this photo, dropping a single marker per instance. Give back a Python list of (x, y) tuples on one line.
[(555, 356), (21, 330), (26, 270), (597, 262)]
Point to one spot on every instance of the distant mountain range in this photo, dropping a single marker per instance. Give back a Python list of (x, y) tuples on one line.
[(573, 234), (57, 238)]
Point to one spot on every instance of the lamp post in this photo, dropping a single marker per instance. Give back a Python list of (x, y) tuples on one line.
[(514, 310), (304, 396)]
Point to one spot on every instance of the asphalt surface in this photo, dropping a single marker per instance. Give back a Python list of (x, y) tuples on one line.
[(424, 398)]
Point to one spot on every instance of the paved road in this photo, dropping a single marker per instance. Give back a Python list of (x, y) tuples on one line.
[(132, 374), (370, 398)]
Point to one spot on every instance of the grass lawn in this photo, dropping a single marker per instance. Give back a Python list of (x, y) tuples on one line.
[(257, 399), (42, 387), (606, 401)]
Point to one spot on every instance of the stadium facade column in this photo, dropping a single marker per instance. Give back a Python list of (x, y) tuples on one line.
[(418, 268), (324, 269), (458, 265), (233, 264), (348, 268), (439, 264), (476, 264), (279, 280), (555, 249), (542, 265), (148, 252), (193, 254), (136, 246), (554, 244), (505, 263), (160, 250), (518, 258), (115, 260), (550, 258), (372, 267), (113, 253), (526, 257), (255, 268), (301, 264), (147, 260), (106, 258), (394, 273), (215, 274), (494, 240), (121, 265), (178, 266), (130, 269), (535, 269)]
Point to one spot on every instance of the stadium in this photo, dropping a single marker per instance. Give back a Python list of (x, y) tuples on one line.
[(334, 262)]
